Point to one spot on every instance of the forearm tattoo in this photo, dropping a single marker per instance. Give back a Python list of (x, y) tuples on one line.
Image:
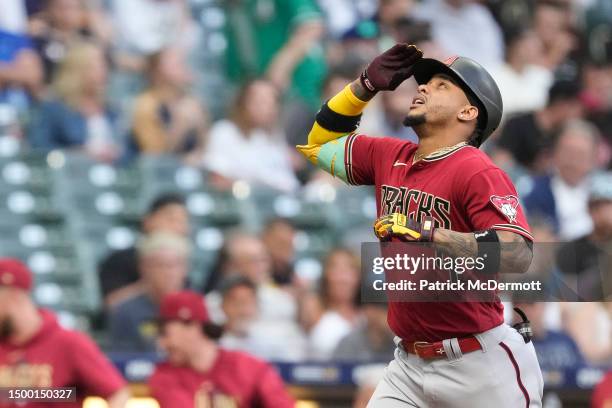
[(455, 244), (515, 253)]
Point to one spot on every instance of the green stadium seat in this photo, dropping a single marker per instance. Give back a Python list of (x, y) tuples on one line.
[(103, 238), (25, 203), (107, 206), (83, 172), (26, 172), (164, 174), (211, 208)]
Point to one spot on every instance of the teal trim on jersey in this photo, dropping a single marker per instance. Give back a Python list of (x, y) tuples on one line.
[(333, 152)]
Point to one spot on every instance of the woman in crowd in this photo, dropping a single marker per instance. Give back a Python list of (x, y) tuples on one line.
[(76, 115), (249, 145), (167, 119), (338, 304)]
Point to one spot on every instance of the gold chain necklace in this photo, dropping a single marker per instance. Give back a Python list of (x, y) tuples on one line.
[(441, 150)]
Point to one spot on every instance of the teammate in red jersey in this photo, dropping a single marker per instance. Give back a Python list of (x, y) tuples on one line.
[(36, 352), (446, 191), (199, 374)]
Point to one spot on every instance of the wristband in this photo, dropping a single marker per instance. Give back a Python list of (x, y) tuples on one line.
[(365, 82), (488, 250), (428, 226)]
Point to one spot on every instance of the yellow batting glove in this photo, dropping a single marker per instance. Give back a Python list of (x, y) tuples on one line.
[(399, 226)]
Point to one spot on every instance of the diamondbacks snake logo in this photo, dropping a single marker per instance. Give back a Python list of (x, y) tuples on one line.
[(506, 205)]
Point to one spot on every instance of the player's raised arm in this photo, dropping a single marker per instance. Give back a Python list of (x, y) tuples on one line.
[(340, 116)]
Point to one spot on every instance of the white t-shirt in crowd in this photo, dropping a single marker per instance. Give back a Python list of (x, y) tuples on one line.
[(274, 303), (326, 334), (280, 340), (571, 203), (523, 91), (260, 157), (469, 30)]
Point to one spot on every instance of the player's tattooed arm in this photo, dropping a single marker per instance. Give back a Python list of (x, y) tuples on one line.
[(455, 244), (515, 254)]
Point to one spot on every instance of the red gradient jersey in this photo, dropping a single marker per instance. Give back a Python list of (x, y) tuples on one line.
[(56, 357), (463, 191), (236, 380)]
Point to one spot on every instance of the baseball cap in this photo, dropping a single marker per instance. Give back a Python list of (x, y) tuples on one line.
[(185, 305), (601, 187), (15, 273)]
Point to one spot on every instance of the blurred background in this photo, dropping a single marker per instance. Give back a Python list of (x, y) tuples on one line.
[(126, 119)]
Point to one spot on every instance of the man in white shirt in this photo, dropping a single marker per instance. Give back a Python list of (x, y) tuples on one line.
[(464, 27), (574, 159), (525, 77)]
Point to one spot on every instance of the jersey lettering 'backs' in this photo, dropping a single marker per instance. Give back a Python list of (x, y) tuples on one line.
[(463, 191)]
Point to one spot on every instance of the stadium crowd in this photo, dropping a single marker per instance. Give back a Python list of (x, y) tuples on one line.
[(229, 87)]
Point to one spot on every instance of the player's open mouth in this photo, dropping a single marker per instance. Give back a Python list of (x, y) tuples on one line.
[(418, 100)]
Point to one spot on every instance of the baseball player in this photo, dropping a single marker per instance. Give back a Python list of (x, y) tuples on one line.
[(36, 352), (442, 190), (199, 374)]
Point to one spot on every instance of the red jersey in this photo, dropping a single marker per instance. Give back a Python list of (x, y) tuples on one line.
[(236, 380), (463, 191), (56, 357)]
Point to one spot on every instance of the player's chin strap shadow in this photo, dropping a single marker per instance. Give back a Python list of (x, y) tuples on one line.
[(524, 327)]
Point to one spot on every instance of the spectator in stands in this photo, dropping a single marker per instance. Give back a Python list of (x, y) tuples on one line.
[(118, 272), (167, 119), (249, 146), (394, 111), (60, 25), (529, 137), (278, 236), (454, 23), (244, 330), (556, 350), (246, 255), (342, 15), (35, 351), (562, 195), (552, 23), (163, 260), (283, 43), (390, 12), (597, 98), (145, 27), (370, 341), (585, 257), (524, 78), (198, 372), (590, 325), (339, 297), (20, 71), (77, 116)]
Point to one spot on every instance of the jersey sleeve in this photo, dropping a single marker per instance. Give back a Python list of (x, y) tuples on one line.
[(492, 202), (92, 370), (364, 156), (271, 392), (168, 393)]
